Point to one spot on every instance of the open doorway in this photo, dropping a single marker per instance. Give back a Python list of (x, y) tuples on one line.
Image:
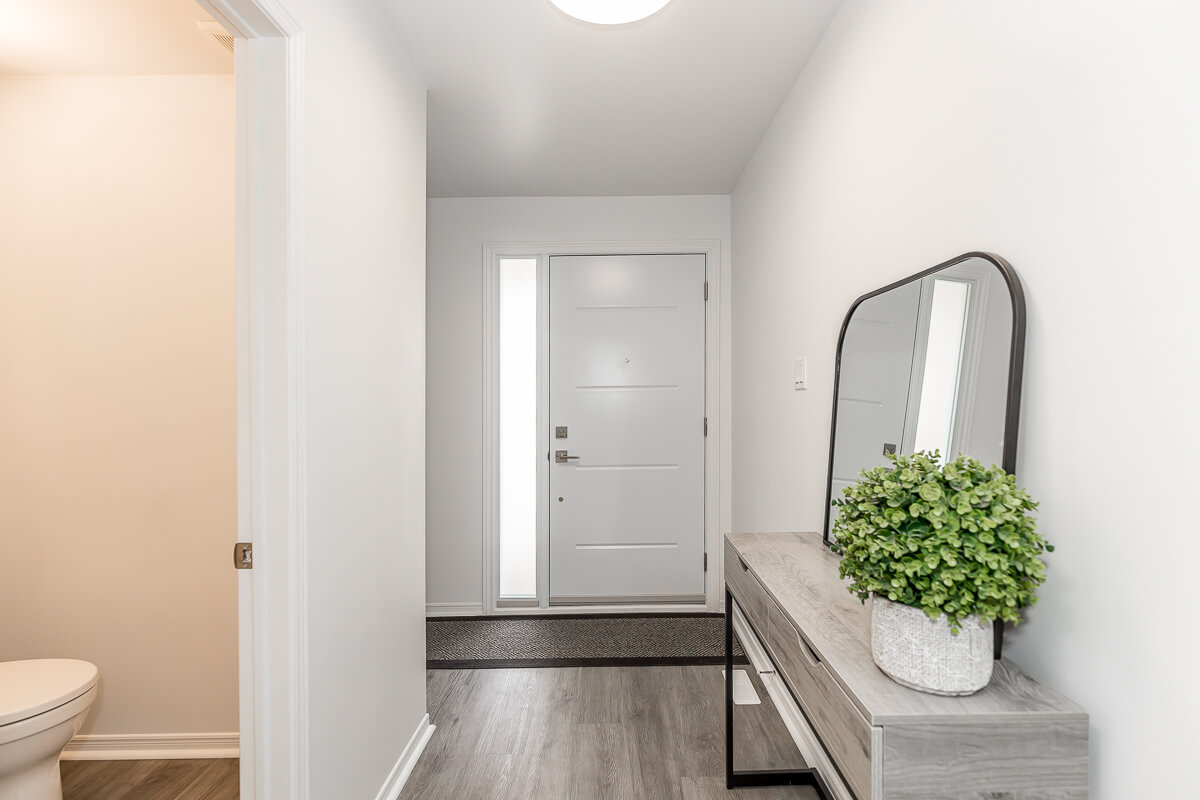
[(367, 240), (118, 400)]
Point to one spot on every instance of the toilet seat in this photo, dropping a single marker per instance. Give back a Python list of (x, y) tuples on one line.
[(30, 688)]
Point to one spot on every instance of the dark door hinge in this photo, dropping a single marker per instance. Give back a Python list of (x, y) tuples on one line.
[(706, 562), (706, 426), (706, 290)]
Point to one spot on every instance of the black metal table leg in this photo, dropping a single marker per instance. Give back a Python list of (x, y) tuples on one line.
[(755, 777)]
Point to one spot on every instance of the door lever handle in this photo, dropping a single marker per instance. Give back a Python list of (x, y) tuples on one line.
[(561, 457)]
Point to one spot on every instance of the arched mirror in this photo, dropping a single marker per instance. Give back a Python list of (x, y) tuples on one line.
[(932, 362)]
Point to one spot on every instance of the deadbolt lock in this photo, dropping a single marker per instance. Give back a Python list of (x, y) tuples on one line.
[(560, 432)]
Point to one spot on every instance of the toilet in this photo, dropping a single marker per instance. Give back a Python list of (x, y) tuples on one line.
[(42, 705)]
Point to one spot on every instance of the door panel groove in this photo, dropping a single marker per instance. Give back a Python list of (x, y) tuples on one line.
[(625, 308), (626, 466), (632, 387), (628, 546)]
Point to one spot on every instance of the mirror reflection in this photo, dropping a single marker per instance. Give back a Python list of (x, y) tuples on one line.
[(924, 366)]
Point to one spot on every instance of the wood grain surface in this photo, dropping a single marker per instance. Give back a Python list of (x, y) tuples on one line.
[(618, 733), (1017, 739), (1022, 761), (175, 779), (828, 709), (800, 575)]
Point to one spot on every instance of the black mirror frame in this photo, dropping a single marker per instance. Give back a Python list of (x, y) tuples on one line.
[(1016, 366), (1016, 371)]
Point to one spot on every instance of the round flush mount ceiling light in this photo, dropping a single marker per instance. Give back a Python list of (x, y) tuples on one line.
[(610, 12)]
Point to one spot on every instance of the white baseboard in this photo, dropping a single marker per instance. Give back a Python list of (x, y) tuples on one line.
[(408, 759), (454, 609), (138, 746)]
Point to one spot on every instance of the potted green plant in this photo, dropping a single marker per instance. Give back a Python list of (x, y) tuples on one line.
[(944, 550)]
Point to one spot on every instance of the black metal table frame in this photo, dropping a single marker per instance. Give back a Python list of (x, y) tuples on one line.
[(735, 779)]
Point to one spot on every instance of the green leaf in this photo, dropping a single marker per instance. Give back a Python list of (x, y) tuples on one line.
[(957, 539)]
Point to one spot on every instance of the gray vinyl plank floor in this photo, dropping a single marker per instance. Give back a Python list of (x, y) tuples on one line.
[(594, 733)]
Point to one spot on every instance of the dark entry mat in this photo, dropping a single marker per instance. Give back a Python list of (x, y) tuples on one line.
[(576, 641)]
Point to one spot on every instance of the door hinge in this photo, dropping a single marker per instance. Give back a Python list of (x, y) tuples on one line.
[(706, 562), (243, 555), (706, 426), (706, 290)]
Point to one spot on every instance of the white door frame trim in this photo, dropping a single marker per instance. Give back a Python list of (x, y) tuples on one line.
[(272, 597), (716, 490)]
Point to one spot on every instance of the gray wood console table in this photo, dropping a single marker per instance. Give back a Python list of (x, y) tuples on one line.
[(868, 737)]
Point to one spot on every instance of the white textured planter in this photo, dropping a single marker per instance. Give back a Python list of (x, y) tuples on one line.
[(922, 653)]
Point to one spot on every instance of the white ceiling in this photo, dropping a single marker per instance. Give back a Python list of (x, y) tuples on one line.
[(107, 37), (525, 101)]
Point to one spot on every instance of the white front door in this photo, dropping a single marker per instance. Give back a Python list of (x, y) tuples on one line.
[(626, 384)]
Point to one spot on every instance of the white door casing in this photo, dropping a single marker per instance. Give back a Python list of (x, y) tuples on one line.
[(272, 651), (627, 379)]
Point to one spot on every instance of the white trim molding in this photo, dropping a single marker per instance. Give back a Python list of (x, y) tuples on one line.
[(139, 746), (453, 609), (272, 598), (716, 389), (408, 760)]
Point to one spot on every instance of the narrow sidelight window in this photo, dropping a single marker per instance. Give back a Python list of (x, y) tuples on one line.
[(518, 427), (943, 365)]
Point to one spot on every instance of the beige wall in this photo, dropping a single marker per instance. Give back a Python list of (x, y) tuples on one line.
[(117, 426)]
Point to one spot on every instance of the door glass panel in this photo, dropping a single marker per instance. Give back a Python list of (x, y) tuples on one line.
[(518, 427)]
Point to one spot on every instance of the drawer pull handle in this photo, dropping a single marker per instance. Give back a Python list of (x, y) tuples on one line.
[(743, 563), (809, 653)]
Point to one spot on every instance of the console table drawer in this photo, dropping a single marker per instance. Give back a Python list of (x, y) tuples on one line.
[(845, 731), (751, 596)]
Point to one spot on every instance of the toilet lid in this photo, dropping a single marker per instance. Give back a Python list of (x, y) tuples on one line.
[(29, 688)]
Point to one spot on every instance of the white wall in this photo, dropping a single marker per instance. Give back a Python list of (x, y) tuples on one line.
[(1063, 137), (458, 230), (117, 418), (364, 336)]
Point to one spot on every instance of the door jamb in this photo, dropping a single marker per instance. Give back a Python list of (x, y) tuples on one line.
[(716, 483), (272, 597)]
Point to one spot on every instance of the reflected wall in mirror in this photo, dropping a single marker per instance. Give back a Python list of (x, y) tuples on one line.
[(932, 362)]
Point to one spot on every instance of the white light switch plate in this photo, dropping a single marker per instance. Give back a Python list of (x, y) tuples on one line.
[(801, 376)]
